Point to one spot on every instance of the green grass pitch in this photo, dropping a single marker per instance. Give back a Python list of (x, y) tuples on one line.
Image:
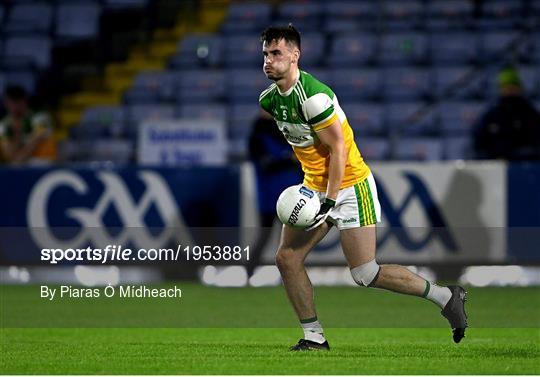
[(248, 331)]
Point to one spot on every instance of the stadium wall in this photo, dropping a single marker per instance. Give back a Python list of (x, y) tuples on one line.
[(442, 213)]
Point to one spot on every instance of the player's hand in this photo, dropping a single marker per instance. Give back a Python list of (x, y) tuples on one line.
[(320, 218)]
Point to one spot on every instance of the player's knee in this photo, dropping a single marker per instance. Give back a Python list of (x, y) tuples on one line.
[(366, 274), (285, 258), (282, 258)]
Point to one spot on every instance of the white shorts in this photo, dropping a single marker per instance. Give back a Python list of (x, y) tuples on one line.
[(356, 206)]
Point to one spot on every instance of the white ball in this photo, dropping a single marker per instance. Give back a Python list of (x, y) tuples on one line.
[(297, 206)]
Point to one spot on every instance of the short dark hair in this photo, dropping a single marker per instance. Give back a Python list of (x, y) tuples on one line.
[(16, 93), (276, 33)]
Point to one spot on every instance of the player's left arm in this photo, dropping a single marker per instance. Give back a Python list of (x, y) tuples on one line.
[(332, 138)]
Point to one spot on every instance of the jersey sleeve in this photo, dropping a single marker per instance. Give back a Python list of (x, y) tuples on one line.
[(264, 100), (319, 107)]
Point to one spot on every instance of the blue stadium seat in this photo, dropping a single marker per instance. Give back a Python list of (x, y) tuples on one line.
[(419, 149), (241, 120), (140, 96), (247, 17), (502, 8), (71, 150), (355, 84), (373, 149), (534, 7), (403, 48), (29, 17), (137, 114), (201, 86), (335, 26), (313, 49), (304, 17), (246, 12), (405, 83), (365, 118), (78, 20), (323, 75), (15, 63), (499, 14), (198, 50), (534, 47), (352, 49), (449, 13), (402, 14), (158, 84), (206, 110), (23, 78), (101, 121), (458, 47), (99, 150), (458, 118), (346, 10), (243, 50), (116, 151), (497, 44), (246, 86), (461, 82), (121, 4), (458, 148), (86, 131), (406, 119), (449, 9), (35, 48)]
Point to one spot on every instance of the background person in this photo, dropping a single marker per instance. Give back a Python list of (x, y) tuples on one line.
[(510, 129), (25, 136)]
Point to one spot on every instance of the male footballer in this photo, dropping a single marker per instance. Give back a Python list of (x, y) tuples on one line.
[(308, 114)]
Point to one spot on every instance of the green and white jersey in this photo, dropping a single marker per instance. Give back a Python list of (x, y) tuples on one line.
[(307, 107)]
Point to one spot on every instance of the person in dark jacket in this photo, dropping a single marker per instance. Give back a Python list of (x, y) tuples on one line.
[(510, 129)]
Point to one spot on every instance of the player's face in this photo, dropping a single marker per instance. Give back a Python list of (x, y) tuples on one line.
[(278, 57)]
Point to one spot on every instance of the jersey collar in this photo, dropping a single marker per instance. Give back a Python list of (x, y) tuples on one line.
[(289, 91)]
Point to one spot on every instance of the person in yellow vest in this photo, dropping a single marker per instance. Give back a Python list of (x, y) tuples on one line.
[(25, 136)]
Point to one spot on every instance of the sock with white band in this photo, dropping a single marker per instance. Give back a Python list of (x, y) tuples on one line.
[(313, 330), (437, 294)]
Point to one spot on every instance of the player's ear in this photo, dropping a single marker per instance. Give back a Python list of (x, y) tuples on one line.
[(296, 55)]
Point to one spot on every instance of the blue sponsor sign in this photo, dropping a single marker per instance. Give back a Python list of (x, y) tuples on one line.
[(81, 207)]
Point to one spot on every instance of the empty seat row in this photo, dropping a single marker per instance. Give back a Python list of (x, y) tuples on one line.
[(353, 49), (23, 78), (97, 150), (416, 149), (351, 15), (372, 149), (389, 84), (367, 119), (78, 19)]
